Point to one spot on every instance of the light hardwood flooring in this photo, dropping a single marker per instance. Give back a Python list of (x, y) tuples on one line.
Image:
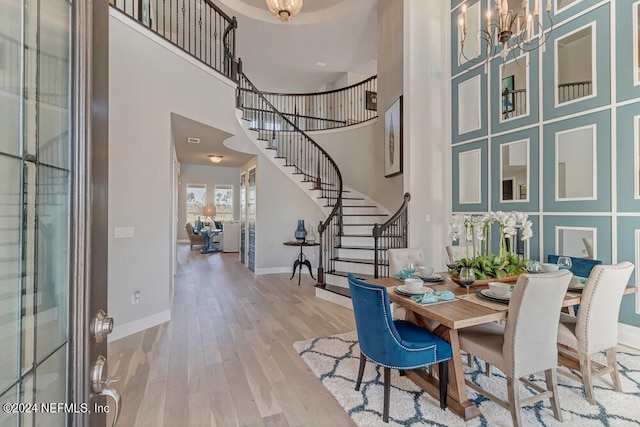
[(226, 358)]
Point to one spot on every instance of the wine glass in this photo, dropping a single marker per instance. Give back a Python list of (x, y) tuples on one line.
[(564, 262), (467, 277), (451, 263), (534, 266), (409, 268)]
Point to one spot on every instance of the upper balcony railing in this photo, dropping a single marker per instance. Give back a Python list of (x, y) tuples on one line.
[(321, 110), (198, 27)]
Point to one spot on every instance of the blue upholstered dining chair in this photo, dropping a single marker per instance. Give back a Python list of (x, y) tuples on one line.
[(579, 266), (393, 344)]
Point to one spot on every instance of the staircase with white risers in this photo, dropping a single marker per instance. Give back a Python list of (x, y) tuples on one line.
[(353, 248)]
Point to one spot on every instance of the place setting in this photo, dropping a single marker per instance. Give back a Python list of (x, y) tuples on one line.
[(497, 292)]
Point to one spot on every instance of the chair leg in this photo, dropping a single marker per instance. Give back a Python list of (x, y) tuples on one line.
[(387, 390), (552, 386), (487, 369), (469, 360), (613, 363), (363, 362), (443, 376), (514, 400), (587, 379), (402, 372)]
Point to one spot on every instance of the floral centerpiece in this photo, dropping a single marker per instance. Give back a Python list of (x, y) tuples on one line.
[(475, 232)]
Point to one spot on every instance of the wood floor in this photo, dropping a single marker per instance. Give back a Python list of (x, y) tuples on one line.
[(226, 358)]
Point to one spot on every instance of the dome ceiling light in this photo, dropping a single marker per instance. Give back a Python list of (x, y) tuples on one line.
[(215, 158), (284, 10)]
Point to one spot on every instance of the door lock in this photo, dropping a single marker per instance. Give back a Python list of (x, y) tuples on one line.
[(100, 385), (101, 326)]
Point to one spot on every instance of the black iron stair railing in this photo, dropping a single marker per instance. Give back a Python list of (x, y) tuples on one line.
[(302, 153), (198, 27), (390, 235)]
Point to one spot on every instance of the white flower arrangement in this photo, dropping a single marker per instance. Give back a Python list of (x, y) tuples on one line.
[(475, 232)]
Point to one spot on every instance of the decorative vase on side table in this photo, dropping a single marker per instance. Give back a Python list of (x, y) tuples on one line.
[(310, 238), (301, 232)]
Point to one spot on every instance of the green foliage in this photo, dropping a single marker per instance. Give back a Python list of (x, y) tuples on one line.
[(492, 266)]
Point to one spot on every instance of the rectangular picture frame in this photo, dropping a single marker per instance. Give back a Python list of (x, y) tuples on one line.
[(393, 156), (508, 105)]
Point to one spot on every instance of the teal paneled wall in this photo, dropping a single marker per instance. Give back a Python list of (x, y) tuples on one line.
[(612, 111)]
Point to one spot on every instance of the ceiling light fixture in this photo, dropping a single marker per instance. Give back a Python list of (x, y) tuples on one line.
[(284, 10), (509, 30), (215, 158)]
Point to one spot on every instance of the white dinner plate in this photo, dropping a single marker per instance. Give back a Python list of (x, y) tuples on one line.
[(433, 278), (488, 293), (402, 289)]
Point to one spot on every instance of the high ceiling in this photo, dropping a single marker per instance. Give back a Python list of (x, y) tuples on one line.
[(283, 57)]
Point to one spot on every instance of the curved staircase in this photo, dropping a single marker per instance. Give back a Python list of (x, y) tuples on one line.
[(347, 244)]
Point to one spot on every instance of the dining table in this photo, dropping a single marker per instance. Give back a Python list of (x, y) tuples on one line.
[(444, 319)]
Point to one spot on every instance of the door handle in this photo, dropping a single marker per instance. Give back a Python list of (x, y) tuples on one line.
[(100, 385)]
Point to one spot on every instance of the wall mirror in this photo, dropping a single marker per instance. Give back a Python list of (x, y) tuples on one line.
[(576, 169), (636, 43), (561, 4), (514, 85), (575, 65), (469, 105), (514, 171), (472, 42), (469, 178), (578, 242)]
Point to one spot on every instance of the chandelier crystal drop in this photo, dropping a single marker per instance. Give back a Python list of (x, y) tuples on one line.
[(284, 10), (505, 31)]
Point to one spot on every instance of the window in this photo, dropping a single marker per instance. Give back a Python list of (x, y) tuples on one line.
[(196, 194), (223, 199)]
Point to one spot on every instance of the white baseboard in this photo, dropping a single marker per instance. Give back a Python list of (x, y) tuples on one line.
[(629, 335), (277, 270), (183, 241), (121, 331)]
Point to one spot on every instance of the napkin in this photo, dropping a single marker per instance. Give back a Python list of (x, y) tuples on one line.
[(432, 297), (402, 275)]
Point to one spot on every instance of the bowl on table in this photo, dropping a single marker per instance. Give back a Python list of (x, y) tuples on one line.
[(499, 289), (547, 267), (413, 284), (425, 271)]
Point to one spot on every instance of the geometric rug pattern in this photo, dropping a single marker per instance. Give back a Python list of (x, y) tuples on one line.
[(335, 359)]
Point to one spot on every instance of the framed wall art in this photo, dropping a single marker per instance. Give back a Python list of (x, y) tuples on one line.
[(393, 139)]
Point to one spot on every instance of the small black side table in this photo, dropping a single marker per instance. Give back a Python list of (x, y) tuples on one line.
[(301, 260)]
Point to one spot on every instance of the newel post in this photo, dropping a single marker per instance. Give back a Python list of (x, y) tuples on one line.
[(320, 282)]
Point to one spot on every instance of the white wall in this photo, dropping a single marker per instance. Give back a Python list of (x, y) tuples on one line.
[(209, 176), (149, 80), (426, 121), (279, 206), (343, 144)]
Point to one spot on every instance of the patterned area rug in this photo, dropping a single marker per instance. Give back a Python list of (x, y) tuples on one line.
[(335, 360)]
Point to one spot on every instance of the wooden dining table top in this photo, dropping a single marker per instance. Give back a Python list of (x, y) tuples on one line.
[(460, 313)]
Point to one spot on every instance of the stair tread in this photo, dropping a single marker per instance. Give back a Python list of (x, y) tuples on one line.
[(370, 214), (356, 235), (356, 260), (337, 290), (344, 198), (357, 225), (346, 273), (358, 248)]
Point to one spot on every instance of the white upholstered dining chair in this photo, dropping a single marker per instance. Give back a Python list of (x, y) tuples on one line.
[(459, 252), (595, 328), (526, 344), (399, 257)]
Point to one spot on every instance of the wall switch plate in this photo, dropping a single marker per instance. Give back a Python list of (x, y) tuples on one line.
[(123, 232), (427, 218), (135, 297)]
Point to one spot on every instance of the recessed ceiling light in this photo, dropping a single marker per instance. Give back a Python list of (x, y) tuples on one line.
[(321, 64), (215, 158), (193, 140)]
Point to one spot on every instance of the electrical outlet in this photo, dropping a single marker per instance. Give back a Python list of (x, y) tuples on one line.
[(313, 258), (135, 297), (427, 218)]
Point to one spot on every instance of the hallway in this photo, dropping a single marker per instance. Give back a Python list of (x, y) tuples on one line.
[(226, 358)]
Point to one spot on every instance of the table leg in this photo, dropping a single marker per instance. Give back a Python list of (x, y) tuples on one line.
[(457, 399)]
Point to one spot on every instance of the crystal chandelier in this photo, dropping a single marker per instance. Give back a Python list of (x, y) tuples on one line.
[(285, 10), (509, 30)]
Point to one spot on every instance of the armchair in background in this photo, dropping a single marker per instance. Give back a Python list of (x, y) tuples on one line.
[(194, 239)]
